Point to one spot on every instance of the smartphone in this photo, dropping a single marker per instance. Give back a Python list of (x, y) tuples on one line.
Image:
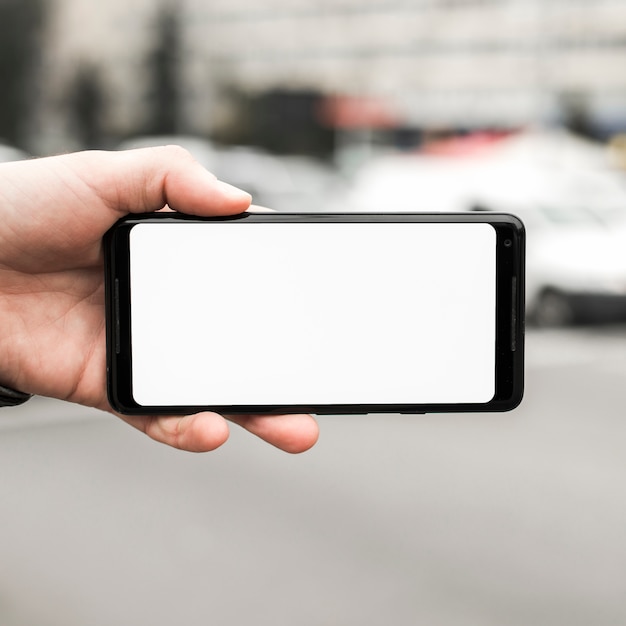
[(324, 313)]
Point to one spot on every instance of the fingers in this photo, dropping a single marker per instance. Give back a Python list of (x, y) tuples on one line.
[(292, 433), (203, 432)]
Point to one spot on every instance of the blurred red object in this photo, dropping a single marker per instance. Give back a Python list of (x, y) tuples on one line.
[(353, 112), (464, 145)]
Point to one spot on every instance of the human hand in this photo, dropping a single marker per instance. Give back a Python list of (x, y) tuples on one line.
[(53, 214)]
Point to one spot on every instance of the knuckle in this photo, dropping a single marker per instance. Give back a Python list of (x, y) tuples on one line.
[(174, 151)]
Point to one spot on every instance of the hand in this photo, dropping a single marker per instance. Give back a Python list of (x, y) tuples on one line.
[(53, 214)]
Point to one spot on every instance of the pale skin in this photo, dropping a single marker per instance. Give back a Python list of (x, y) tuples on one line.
[(53, 214)]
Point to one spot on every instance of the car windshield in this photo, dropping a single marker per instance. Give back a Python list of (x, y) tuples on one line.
[(579, 215)]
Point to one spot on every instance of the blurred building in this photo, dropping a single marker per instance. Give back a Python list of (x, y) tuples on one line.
[(433, 63)]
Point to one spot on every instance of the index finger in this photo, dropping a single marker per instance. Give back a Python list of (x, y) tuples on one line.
[(203, 432)]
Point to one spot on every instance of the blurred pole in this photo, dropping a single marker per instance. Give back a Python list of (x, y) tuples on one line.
[(86, 105), (164, 69), (21, 23)]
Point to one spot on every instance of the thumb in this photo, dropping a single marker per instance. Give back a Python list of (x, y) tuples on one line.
[(148, 179)]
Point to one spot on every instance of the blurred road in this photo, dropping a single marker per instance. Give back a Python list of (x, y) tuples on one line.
[(460, 520)]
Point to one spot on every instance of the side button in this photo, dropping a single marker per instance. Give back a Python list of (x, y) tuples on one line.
[(514, 314), (116, 305)]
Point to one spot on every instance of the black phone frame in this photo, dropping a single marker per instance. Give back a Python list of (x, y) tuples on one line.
[(510, 325)]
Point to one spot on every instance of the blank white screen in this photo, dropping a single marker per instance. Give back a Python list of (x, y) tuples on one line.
[(236, 313)]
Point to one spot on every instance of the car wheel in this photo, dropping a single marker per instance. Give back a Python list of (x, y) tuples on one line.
[(553, 308)]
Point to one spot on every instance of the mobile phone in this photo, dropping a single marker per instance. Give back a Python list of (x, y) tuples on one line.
[(324, 313)]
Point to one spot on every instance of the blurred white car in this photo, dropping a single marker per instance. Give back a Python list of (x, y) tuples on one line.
[(575, 266), (575, 217), (576, 240), (408, 183)]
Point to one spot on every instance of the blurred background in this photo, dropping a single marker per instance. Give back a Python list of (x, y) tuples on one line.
[(429, 105)]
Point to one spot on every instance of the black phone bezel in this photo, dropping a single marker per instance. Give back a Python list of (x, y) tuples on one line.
[(510, 280)]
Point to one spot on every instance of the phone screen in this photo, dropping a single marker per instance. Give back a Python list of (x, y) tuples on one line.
[(317, 313)]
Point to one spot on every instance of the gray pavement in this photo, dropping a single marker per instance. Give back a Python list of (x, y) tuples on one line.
[(450, 520)]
